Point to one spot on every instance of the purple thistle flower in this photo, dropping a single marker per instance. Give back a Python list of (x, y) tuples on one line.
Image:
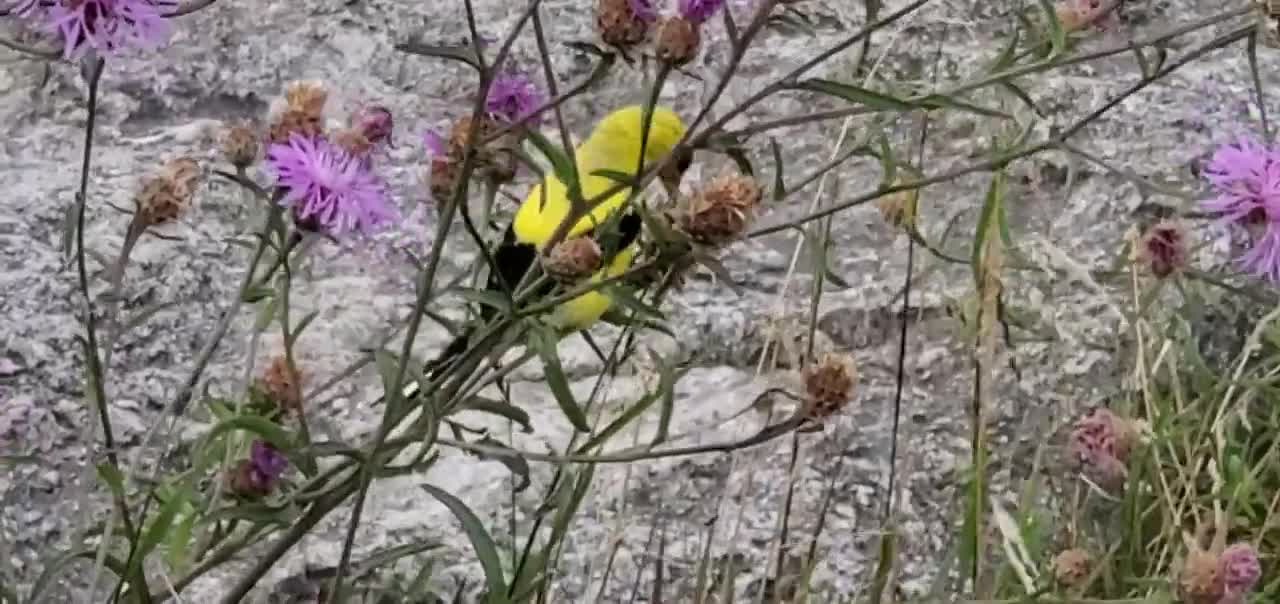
[(107, 26), (1240, 568), (699, 10), (513, 97), (329, 187), (1246, 176), (267, 464), (643, 10), (433, 142)]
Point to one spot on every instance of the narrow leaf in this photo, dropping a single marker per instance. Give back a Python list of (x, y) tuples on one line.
[(779, 187), (560, 163), (544, 341), (501, 408), (861, 96), (481, 542), (269, 431), (464, 54), (302, 325), (514, 461)]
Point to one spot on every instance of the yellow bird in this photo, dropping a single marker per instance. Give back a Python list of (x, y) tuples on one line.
[(614, 145)]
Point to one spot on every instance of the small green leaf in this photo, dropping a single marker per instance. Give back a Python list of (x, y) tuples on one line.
[(622, 421), (1008, 55), (112, 477), (497, 407), (544, 342), (266, 313), (490, 298), (464, 54), (1057, 35), (861, 96), (514, 461), (302, 325), (992, 211), (142, 316), (618, 176), (270, 431), (666, 390), (254, 293), (481, 542), (623, 296), (739, 157), (939, 101), (179, 541), (388, 365), (158, 530), (561, 165)]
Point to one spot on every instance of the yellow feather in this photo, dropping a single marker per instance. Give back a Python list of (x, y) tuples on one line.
[(614, 145)]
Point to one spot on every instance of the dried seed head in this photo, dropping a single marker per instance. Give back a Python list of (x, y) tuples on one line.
[(676, 40), (306, 96), (1071, 567), (460, 135), (829, 385), (623, 22), (283, 385), (1163, 248), (1200, 580), (1100, 443), (294, 121), (239, 146), (443, 178), (242, 480), (163, 197), (572, 259), (721, 211), (354, 141), (899, 209)]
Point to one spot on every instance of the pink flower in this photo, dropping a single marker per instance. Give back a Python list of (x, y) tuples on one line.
[(1246, 176), (107, 26), (1240, 568), (513, 97), (267, 464), (699, 10), (328, 188), (374, 122), (1100, 443), (643, 10)]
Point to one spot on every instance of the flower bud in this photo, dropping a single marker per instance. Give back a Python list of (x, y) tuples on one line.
[(240, 146), (721, 212), (676, 40), (282, 384), (572, 259), (1200, 580), (306, 96), (374, 123), (165, 196), (829, 385), (1240, 568), (303, 112), (899, 209)]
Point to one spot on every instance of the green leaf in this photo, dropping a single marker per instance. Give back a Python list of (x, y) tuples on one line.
[(992, 211), (490, 298), (54, 570), (388, 365), (386, 558), (19, 460), (158, 530), (179, 541), (141, 317), (501, 408), (625, 178), (481, 542), (861, 96), (544, 341), (112, 477), (255, 293), (269, 431), (739, 157), (779, 187), (667, 390), (623, 296), (302, 325), (463, 54), (1008, 55), (1057, 35), (939, 101), (561, 165), (622, 421), (514, 461), (266, 313)]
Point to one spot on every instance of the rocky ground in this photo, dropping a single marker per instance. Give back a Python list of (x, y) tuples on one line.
[(227, 62)]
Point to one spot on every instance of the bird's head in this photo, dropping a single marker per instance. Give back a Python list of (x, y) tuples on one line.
[(621, 132)]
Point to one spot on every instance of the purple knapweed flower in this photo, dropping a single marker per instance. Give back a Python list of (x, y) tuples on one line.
[(513, 97), (267, 464), (107, 26), (698, 10), (1239, 568), (1246, 176), (327, 187), (374, 122), (643, 10)]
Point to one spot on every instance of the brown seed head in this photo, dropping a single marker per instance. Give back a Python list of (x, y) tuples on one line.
[(1071, 567), (293, 121), (721, 212), (1163, 248), (239, 146), (460, 135), (353, 140), (676, 40), (899, 209), (829, 385), (307, 97), (163, 197), (241, 481), (283, 385), (1200, 580), (618, 23), (572, 259), (443, 178)]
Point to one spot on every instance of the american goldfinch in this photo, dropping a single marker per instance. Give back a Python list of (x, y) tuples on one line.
[(613, 146)]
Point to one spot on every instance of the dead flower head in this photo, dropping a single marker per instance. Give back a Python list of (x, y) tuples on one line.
[(676, 40), (899, 209), (1071, 567), (282, 384), (239, 146), (303, 112), (572, 259), (1163, 248), (1200, 579), (829, 385), (1101, 442), (624, 23), (722, 210), (164, 196)]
